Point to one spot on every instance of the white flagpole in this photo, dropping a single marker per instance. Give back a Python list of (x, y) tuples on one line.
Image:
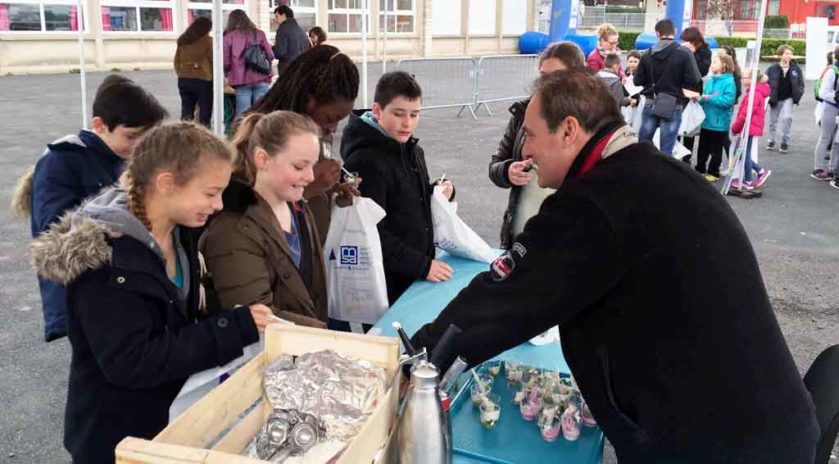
[(744, 135), (364, 21), (384, 44), (218, 69), (81, 19)]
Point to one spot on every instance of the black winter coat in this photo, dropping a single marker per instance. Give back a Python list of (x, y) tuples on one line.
[(289, 42), (507, 153), (396, 177), (663, 315), (668, 68), (796, 76), (134, 342)]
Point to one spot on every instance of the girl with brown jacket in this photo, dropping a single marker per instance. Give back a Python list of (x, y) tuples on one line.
[(264, 246)]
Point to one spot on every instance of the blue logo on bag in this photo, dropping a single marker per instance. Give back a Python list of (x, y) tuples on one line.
[(349, 255)]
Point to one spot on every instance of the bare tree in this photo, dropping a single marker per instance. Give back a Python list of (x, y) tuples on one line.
[(723, 10)]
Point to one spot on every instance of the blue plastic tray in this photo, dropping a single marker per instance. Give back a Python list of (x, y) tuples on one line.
[(513, 439)]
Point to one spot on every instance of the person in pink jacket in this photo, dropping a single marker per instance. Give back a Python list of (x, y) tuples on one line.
[(762, 92), (250, 84)]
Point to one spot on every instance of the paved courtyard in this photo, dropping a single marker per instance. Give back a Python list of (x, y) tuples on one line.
[(793, 228)]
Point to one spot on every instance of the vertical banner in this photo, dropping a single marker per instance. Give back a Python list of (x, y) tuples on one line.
[(817, 47), (561, 17)]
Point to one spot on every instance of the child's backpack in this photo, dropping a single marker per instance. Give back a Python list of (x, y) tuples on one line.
[(821, 78)]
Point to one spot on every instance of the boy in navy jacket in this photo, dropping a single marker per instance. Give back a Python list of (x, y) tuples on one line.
[(78, 166)]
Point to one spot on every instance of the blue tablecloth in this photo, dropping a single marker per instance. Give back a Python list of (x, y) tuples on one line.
[(422, 303)]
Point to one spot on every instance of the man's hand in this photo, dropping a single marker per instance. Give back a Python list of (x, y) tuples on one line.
[(327, 172), (517, 175), (439, 271)]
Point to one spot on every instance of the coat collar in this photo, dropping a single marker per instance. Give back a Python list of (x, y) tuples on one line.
[(602, 144), (260, 215)]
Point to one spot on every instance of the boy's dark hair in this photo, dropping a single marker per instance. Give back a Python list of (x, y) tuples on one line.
[(322, 73), (634, 54), (576, 93), (611, 60), (567, 52), (284, 10), (665, 28), (121, 102), (829, 58), (784, 47), (396, 84)]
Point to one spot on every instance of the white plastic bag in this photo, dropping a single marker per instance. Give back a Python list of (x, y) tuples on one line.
[(452, 235), (692, 118), (201, 383), (632, 115), (679, 150), (355, 272)]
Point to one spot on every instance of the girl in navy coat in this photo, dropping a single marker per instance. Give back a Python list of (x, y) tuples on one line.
[(136, 321)]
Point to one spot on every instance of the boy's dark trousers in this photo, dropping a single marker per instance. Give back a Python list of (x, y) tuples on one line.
[(710, 143), (196, 91)]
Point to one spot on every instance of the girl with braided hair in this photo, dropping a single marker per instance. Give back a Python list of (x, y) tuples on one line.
[(135, 314), (321, 83)]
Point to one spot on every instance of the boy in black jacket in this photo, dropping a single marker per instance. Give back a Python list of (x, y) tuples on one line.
[(78, 166), (787, 83), (380, 146)]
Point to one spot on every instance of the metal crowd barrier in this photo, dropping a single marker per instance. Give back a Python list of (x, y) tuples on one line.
[(504, 77), (469, 83), (447, 82)]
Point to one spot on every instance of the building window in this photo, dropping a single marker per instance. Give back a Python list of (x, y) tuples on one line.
[(196, 8), (400, 15), (345, 16), (137, 16), (35, 16)]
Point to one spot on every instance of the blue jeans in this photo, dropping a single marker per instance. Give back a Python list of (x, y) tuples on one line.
[(749, 166), (246, 95), (668, 128)]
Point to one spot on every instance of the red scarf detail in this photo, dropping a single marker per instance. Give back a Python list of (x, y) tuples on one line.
[(595, 156)]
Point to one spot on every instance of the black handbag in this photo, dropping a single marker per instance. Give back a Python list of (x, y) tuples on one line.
[(255, 58)]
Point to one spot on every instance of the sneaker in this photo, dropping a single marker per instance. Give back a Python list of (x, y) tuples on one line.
[(784, 148), (770, 146), (711, 178), (763, 175), (748, 185), (735, 184), (820, 174), (835, 183)]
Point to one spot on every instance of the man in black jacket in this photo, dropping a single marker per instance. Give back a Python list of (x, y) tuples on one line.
[(621, 257), (380, 146), (787, 83), (665, 70), (291, 40)]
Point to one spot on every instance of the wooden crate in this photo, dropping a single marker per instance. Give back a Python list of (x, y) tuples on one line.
[(211, 431)]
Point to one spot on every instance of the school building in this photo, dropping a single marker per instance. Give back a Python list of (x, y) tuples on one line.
[(42, 35)]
